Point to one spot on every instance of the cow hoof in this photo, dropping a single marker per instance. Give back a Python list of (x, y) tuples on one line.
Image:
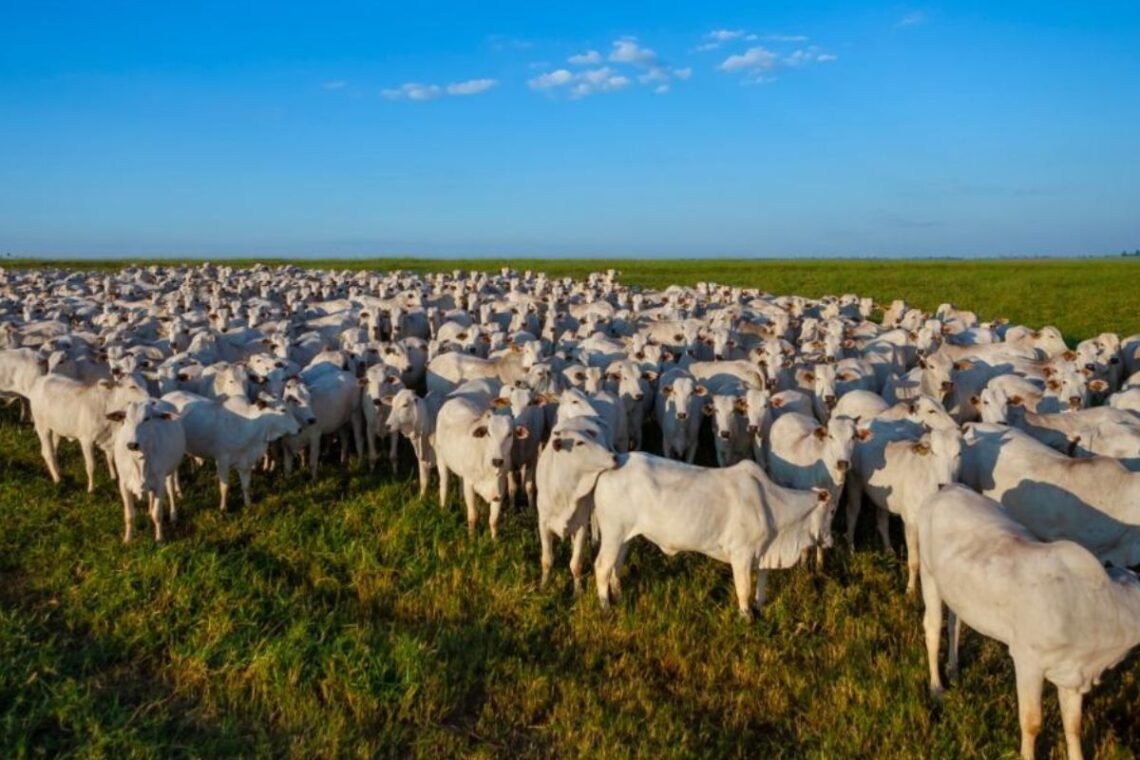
[(746, 614)]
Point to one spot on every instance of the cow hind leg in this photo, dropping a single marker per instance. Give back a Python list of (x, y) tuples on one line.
[(576, 554), (1070, 700), (761, 589), (604, 564), (244, 476), (47, 449), (932, 625), (1029, 683)]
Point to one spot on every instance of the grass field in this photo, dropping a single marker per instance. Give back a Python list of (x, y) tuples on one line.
[(347, 618)]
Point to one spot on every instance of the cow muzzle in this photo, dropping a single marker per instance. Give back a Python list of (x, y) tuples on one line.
[(843, 465), (133, 446), (497, 462)]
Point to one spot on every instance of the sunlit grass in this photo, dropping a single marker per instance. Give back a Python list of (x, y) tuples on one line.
[(346, 617)]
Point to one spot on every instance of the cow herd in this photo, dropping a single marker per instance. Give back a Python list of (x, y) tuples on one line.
[(1011, 457)]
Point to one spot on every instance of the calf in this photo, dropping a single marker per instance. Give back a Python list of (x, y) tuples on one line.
[(680, 401)]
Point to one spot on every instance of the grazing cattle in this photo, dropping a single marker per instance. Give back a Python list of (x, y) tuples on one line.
[(1065, 618), (898, 476), (378, 385), (474, 440), (77, 411), (680, 401), (746, 520), (233, 433), (1094, 501), (334, 397), (415, 419), (147, 448), (568, 469)]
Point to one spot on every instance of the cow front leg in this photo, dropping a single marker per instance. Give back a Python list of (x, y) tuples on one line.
[(1029, 683), (472, 509)]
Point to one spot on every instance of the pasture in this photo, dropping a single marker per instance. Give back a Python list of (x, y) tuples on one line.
[(347, 617)]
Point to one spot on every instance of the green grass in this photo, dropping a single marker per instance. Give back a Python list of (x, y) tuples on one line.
[(348, 618)]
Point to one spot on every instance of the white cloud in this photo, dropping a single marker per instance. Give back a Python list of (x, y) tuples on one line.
[(684, 73), (755, 59), (413, 91), (786, 37), (718, 37), (471, 86), (555, 78), (626, 50), (336, 84), (661, 89), (589, 58), (421, 92), (582, 83), (914, 18), (807, 55)]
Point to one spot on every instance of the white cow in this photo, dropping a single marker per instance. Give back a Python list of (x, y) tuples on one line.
[(679, 413), (233, 433), (74, 410), (474, 440), (1095, 501), (1064, 617), (415, 419), (148, 447), (378, 385), (734, 514), (568, 469), (898, 476)]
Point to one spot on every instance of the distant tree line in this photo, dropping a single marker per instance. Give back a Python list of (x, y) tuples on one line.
[(1135, 253)]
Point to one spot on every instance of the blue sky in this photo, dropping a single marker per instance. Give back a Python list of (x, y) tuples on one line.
[(588, 129)]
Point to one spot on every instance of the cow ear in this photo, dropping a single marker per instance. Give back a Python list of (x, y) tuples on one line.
[(701, 390), (362, 382), (500, 402), (667, 390), (963, 364), (391, 379), (1048, 371), (540, 399), (480, 432), (118, 416), (1016, 400), (707, 410), (106, 384), (521, 433), (556, 444), (975, 399), (1053, 385), (168, 416), (649, 375), (1100, 386), (777, 402), (515, 347), (809, 376), (947, 386), (820, 433), (922, 449), (846, 376), (740, 405), (864, 434)]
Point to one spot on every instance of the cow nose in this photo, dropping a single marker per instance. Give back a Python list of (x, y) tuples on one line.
[(830, 401), (183, 377), (843, 464), (497, 462), (682, 415), (720, 357), (311, 421), (638, 396), (753, 429), (1090, 367), (1075, 402), (724, 434), (377, 403), (133, 445)]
